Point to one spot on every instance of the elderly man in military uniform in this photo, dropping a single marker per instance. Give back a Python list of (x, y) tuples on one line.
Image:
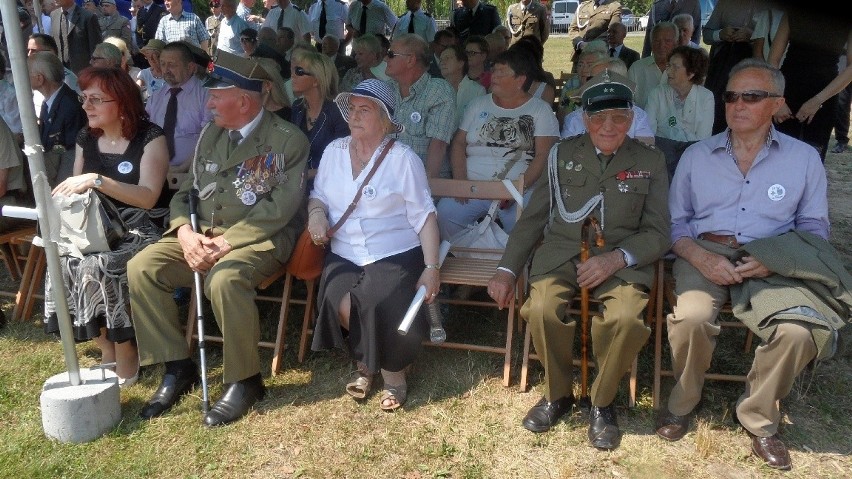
[(591, 22), (623, 183), (249, 168), (528, 17)]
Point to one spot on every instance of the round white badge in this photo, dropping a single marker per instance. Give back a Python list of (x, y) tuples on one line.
[(415, 117), (369, 192), (125, 167), (776, 192), (248, 198)]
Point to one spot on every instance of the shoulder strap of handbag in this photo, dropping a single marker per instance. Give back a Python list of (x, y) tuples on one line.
[(354, 203)]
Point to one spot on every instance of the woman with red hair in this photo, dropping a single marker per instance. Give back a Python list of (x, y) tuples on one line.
[(122, 155)]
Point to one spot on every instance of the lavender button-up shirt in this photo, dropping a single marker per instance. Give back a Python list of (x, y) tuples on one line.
[(785, 189), (191, 118)]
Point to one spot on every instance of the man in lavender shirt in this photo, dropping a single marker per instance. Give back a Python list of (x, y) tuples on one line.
[(192, 114), (747, 186)]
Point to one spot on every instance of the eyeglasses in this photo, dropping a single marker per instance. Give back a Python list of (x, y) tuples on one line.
[(617, 117), (751, 96), (299, 71), (96, 59), (393, 54), (93, 100), (247, 40), (471, 53)]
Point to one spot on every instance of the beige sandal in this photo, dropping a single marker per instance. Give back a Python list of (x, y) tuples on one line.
[(396, 395), (361, 384)]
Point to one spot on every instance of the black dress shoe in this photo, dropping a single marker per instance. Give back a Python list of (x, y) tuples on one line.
[(603, 428), (840, 148), (544, 414), (172, 388), (672, 427), (772, 451), (236, 402)]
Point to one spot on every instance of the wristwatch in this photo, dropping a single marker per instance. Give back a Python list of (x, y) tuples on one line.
[(97, 182)]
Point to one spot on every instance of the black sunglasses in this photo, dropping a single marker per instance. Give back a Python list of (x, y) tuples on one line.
[(393, 54), (751, 96), (299, 71)]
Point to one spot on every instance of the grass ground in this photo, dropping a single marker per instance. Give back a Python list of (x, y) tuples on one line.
[(459, 421)]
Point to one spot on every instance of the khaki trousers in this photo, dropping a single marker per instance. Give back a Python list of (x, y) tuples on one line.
[(693, 330), (617, 335), (156, 271)]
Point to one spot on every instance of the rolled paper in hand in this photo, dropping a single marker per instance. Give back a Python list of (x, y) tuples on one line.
[(419, 297)]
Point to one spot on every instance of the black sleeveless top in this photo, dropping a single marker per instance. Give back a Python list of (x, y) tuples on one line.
[(122, 167)]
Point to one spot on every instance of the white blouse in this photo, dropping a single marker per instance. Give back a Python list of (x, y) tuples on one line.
[(393, 207), (690, 120)]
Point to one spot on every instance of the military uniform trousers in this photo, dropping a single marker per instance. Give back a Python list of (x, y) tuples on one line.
[(618, 333), (692, 331), (153, 275)]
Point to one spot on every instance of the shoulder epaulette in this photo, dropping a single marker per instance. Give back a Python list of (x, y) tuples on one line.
[(296, 7)]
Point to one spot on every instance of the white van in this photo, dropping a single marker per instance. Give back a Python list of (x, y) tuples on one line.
[(562, 14)]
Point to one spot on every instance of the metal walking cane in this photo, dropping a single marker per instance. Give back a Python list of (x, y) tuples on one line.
[(199, 305), (590, 221)]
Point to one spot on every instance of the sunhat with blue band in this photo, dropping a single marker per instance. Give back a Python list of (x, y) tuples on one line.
[(231, 71), (376, 90)]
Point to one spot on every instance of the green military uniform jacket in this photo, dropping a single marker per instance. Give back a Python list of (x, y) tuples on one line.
[(636, 216), (255, 195), (592, 22), (533, 22)]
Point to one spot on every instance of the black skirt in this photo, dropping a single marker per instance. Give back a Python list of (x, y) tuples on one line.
[(381, 293)]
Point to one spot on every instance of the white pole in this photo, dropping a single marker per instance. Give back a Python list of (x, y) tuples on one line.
[(41, 189)]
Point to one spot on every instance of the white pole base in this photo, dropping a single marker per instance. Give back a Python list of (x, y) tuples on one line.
[(80, 413)]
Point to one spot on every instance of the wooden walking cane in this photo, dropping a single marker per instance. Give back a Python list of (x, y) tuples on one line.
[(584, 305)]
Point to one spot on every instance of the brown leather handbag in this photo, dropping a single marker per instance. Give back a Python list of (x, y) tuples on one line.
[(307, 259)]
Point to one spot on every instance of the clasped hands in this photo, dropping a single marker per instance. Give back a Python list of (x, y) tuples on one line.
[(590, 274), (199, 251), (723, 272)]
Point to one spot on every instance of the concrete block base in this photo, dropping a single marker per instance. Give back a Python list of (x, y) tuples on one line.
[(80, 413)]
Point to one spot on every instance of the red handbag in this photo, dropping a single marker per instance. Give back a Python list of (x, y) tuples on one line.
[(307, 259)]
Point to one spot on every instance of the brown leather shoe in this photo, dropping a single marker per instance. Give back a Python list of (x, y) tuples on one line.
[(772, 451), (672, 427)]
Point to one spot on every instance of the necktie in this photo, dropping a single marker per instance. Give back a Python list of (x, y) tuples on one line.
[(63, 37), (170, 121), (362, 28), (43, 117), (235, 137), (612, 52), (604, 160), (322, 21), (411, 23)]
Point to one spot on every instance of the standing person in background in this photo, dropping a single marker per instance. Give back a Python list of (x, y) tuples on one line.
[(230, 28), (114, 25), (328, 17), (368, 17), (728, 32), (666, 11), (844, 102), (810, 69), (77, 32), (415, 20), (528, 17), (212, 24), (474, 18), (767, 19), (180, 25), (591, 22), (615, 35), (285, 14), (148, 16)]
